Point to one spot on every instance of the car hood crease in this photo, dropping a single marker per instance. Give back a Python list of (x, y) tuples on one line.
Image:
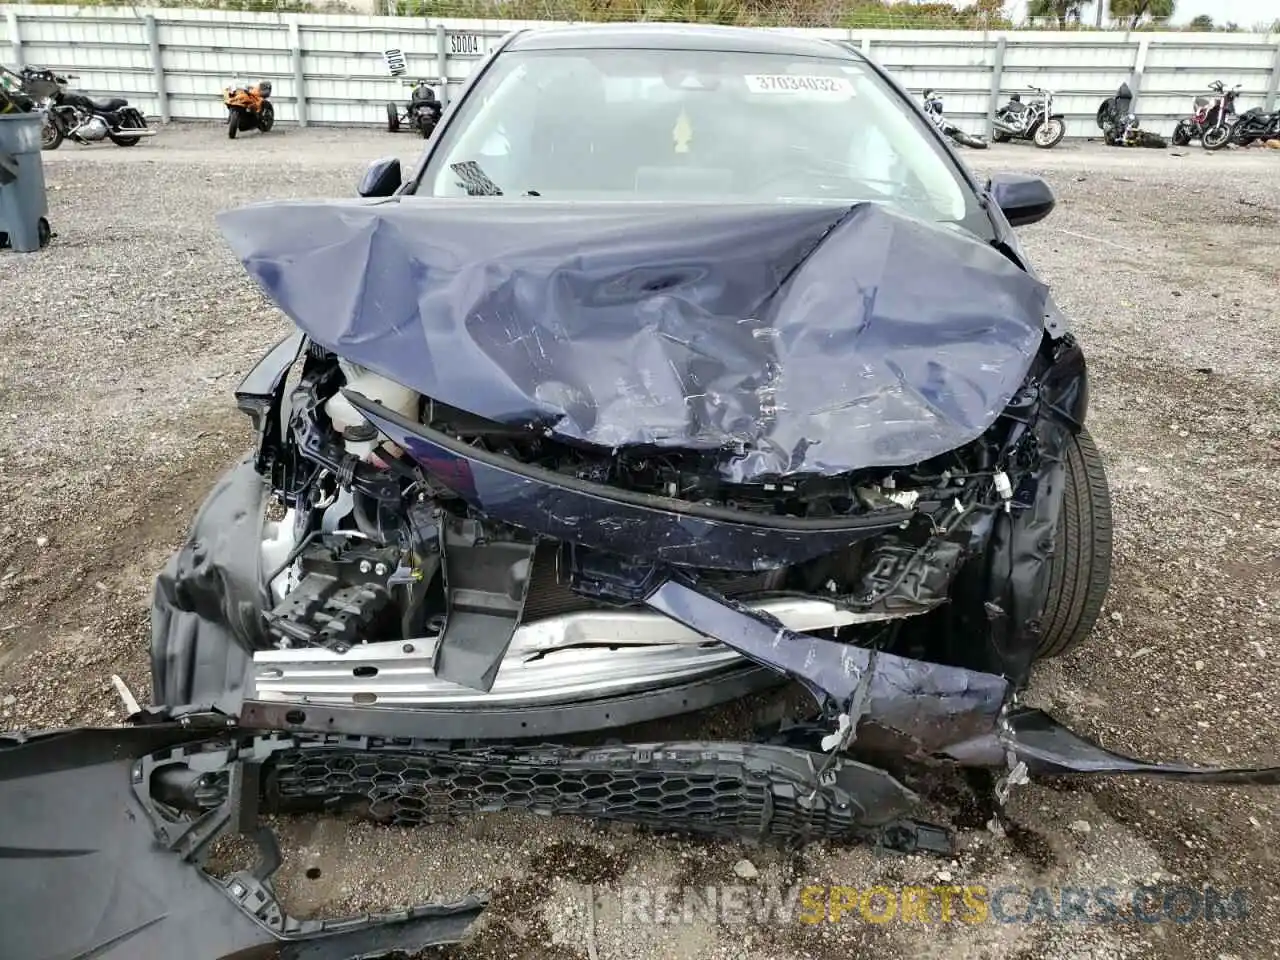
[(795, 338)]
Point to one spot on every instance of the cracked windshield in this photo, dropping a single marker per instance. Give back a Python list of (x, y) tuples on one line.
[(691, 125)]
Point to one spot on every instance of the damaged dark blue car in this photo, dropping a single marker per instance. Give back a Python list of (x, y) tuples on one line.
[(689, 362)]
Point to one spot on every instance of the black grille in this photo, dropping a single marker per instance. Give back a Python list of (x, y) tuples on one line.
[(548, 597), (730, 792)]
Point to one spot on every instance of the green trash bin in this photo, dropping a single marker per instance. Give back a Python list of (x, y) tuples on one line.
[(24, 202)]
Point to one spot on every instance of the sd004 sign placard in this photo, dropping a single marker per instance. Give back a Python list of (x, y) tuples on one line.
[(465, 44)]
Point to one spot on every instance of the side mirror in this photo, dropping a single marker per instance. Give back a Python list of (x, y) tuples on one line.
[(382, 179), (1022, 199)]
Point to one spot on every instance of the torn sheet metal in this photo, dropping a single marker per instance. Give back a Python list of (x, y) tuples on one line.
[(928, 704), (798, 338), (616, 521), (90, 868), (1050, 749)]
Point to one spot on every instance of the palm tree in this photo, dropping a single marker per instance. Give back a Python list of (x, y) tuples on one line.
[(1136, 10), (1061, 10)]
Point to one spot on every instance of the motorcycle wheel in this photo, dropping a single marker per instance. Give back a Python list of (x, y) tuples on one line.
[(1000, 137), (1215, 138), (131, 122), (1049, 134), (1104, 111), (393, 118), (1181, 135), (51, 135), (267, 117), (233, 123), (427, 127)]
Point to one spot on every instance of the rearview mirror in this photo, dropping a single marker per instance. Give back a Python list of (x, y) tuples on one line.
[(382, 179), (1022, 199)]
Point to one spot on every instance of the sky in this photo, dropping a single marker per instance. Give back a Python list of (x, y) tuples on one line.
[(1244, 12)]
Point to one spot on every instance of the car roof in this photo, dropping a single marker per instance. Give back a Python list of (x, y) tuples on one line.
[(678, 36)]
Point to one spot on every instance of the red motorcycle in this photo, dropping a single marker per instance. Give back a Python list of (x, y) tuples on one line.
[(1211, 121)]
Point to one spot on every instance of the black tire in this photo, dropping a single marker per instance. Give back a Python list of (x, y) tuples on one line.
[(1181, 135), (1104, 109), (233, 124), (44, 233), (266, 117), (134, 122), (1216, 138), (427, 127), (1080, 570), (1057, 130), (1000, 137), (51, 134), (393, 118)]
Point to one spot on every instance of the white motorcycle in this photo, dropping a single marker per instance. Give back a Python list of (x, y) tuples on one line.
[(933, 107)]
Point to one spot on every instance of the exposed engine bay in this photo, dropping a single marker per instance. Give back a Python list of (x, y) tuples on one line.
[(372, 556)]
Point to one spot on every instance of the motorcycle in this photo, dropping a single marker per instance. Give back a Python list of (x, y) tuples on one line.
[(1256, 125), (933, 107), (1220, 117), (422, 114), (1119, 124), (249, 108), (1203, 116), (12, 97), (74, 115), (1034, 121)]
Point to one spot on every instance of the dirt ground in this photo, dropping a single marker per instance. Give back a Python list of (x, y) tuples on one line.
[(120, 346)]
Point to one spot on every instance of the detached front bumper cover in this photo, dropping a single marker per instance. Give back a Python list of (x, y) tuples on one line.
[(103, 832)]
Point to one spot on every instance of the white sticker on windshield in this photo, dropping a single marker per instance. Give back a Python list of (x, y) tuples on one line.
[(798, 84)]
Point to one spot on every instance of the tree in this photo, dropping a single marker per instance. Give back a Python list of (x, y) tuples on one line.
[(1201, 24), (1135, 11), (1061, 10)]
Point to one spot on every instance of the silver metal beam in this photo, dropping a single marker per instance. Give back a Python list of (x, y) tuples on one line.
[(157, 66), (555, 660), (997, 72)]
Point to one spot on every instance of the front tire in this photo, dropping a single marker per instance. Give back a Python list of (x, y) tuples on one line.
[(1080, 569), (266, 117), (1104, 111), (1049, 134), (233, 124), (393, 118), (1215, 138), (1181, 135), (51, 135)]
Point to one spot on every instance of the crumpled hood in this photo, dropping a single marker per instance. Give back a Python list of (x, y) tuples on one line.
[(807, 338)]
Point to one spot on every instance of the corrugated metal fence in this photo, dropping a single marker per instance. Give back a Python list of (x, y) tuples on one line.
[(327, 69)]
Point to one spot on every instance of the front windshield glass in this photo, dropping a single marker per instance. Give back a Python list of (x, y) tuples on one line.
[(691, 125)]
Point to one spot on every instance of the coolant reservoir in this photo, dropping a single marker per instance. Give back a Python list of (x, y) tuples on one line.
[(349, 422)]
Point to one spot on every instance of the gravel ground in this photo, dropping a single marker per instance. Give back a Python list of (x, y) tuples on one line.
[(129, 333)]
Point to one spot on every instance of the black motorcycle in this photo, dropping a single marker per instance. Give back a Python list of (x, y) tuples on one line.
[(1034, 121), (933, 107), (1256, 125), (74, 115), (422, 114), (1119, 124)]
